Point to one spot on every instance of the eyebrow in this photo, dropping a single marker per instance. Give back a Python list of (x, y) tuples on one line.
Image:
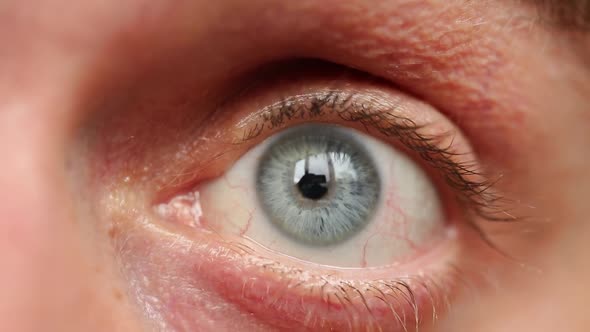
[(568, 14)]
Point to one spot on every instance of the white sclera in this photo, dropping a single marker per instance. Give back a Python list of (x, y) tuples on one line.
[(407, 220)]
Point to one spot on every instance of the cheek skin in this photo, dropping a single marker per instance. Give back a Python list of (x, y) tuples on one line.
[(554, 175), (55, 273)]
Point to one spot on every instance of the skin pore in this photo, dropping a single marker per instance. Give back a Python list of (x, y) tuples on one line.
[(108, 109)]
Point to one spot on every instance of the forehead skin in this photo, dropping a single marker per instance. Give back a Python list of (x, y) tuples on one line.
[(518, 88)]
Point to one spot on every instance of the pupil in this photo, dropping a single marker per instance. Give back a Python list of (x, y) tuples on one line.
[(313, 186)]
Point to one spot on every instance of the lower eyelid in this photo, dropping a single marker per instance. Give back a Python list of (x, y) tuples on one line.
[(291, 296), (183, 276), (284, 295)]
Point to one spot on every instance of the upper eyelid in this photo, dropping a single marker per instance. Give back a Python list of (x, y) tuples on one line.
[(465, 177)]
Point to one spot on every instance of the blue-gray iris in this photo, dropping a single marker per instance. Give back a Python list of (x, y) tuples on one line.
[(318, 184)]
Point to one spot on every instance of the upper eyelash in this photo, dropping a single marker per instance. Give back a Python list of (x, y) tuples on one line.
[(478, 196)]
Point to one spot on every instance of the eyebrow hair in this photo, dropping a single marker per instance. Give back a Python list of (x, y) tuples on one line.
[(569, 14)]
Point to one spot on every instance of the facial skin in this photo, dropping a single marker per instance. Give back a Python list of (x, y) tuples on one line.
[(97, 98)]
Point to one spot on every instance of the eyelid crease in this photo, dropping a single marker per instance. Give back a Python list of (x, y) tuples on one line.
[(469, 182)]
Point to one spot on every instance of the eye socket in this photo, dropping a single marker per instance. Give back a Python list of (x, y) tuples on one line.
[(377, 206), (430, 197)]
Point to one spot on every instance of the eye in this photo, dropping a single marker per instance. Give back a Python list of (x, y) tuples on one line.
[(330, 195), (310, 200)]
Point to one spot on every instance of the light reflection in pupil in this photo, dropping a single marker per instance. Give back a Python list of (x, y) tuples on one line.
[(313, 175), (313, 186)]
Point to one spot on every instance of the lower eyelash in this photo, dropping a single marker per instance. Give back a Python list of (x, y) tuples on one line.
[(400, 304)]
